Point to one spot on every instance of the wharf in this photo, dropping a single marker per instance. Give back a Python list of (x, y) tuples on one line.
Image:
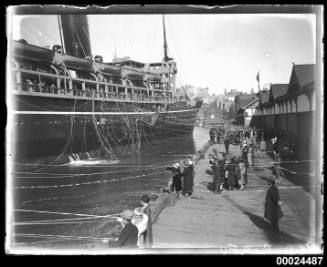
[(235, 219)]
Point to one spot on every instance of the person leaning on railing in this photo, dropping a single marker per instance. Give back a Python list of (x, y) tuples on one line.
[(52, 88), (41, 86), (29, 85)]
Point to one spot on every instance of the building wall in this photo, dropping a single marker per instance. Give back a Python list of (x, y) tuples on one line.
[(289, 106), (303, 103), (291, 122)]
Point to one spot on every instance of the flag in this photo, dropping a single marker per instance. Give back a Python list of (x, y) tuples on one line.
[(258, 76)]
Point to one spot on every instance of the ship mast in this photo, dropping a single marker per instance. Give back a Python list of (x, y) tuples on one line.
[(61, 34)]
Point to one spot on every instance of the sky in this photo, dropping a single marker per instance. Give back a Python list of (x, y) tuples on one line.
[(219, 51)]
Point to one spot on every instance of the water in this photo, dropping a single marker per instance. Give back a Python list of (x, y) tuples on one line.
[(94, 186)]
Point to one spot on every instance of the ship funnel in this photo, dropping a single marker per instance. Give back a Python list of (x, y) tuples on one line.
[(76, 37)]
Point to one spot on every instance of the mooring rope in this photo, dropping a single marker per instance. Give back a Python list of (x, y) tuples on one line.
[(87, 183), (62, 237)]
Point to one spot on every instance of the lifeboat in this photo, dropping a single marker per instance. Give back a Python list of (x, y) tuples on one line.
[(24, 50), (74, 63), (106, 69), (132, 73)]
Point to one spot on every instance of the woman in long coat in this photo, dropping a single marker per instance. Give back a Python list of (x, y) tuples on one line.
[(273, 211), (188, 179), (177, 180), (218, 178)]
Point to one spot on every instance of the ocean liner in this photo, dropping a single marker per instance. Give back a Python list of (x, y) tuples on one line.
[(67, 101)]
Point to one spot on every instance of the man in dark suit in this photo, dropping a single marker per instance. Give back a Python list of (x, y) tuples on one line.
[(273, 211), (129, 234)]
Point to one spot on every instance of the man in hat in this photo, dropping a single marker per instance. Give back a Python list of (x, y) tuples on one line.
[(129, 234), (273, 211), (188, 181)]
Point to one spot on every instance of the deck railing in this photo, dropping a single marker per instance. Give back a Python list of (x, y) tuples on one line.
[(91, 89)]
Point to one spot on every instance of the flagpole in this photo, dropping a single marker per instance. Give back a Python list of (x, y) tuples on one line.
[(258, 80)]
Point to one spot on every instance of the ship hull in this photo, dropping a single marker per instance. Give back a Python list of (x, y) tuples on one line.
[(47, 127)]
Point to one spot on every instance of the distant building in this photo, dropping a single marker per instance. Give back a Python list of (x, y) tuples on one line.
[(225, 102), (193, 92), (245, 105)]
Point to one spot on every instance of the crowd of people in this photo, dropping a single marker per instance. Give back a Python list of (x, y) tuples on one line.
[(229, 172)]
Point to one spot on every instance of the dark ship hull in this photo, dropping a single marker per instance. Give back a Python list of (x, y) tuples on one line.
[(44, 126)]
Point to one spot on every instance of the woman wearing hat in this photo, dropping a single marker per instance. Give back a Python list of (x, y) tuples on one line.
[(128, 237), (273, 211), (188, 181), (177, 180)]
